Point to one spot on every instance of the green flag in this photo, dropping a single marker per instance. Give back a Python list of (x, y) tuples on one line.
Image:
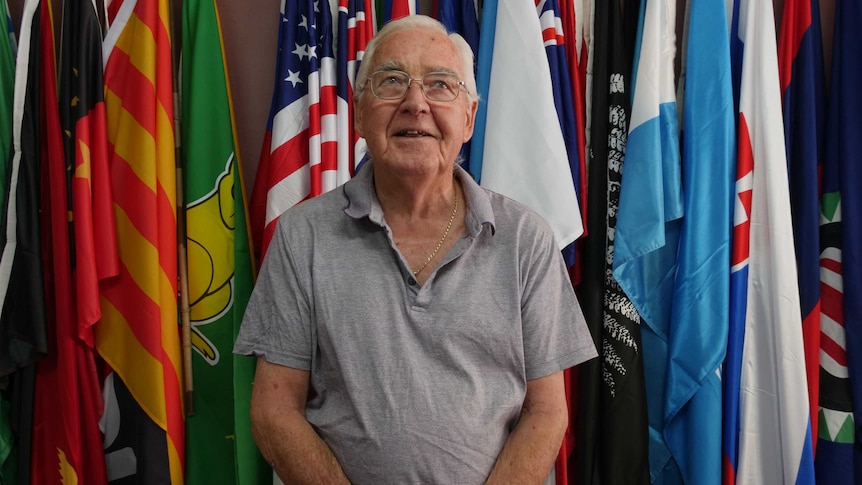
[(220, 269), (7, 85)]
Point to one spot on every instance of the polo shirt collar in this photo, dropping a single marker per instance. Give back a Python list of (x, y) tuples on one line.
[(362, 199)]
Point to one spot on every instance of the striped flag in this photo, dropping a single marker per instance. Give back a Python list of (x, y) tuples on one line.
[(651, 207), (802, 81), (774, 438), (299, 158), (220, 267), (354, 32), (697, 334), (520, 136), (844, 145), (138, 335)]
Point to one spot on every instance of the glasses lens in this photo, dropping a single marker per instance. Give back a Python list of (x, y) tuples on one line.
[(440, 86), (389, 84)]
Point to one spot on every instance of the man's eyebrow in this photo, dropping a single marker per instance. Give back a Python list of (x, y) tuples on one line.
[(389, 66), (397, 66)]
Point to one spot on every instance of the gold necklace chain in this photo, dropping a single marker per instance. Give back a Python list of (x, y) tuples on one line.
[(442, 239)]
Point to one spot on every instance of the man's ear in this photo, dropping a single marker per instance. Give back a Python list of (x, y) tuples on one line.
[(471, 119)]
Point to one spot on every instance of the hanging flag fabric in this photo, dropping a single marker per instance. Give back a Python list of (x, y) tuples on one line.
[(7, 92), (837, 458), (220, 268), (555, 48), (774, 431), (650, 208), (82, 114), (22, 298), (138, 334), (299, 158), (802, 81), (845, 145), (571, 18), (23, 333), (697, 335), (354, 32), (523, 152), (67, 443), (461, 17), (395, 9), (612, 418)]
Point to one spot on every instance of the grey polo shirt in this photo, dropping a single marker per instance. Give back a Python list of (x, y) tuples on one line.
[(414, 384)]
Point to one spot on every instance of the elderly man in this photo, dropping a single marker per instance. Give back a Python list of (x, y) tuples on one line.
[(410, 326)]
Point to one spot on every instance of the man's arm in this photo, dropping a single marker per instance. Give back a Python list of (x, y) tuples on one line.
[(533, 446), (285, 438)]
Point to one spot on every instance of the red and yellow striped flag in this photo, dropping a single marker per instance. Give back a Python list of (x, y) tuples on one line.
[(138, 335)]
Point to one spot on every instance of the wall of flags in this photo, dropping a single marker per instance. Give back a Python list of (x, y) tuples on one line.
[(699, 161)]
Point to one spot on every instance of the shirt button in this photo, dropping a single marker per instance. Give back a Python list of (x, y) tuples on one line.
[(411, 281)]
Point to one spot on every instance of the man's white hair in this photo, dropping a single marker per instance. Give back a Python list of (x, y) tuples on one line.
[(417, 21)]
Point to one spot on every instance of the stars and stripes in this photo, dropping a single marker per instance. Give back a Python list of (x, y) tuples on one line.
[(300, 155)]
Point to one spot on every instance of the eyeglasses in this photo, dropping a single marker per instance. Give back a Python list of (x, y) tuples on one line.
[(437, 86)]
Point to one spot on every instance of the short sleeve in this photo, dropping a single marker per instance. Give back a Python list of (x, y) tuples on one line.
[(277, 324), (556, 336)]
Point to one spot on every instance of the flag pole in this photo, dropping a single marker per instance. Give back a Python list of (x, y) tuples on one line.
[(182, 260)]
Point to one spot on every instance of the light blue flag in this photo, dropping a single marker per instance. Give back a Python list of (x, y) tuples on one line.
[(697, 336), (522, 147), (651, 208)]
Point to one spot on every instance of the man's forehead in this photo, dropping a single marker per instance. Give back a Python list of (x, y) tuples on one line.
[(436, 51)]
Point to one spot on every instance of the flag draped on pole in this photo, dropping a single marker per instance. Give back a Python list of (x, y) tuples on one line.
[(67, 443), (299, 158), (395, 9), (837, 459), (354, 32), (23, 333), (138, 335), (774, 432), (82, 114), (7, 92), (650, 208), (555, 48), (612, 417), (802, 81), (697, 334), (522, 151), (845, 145), (462, 17), (22, 297), (220, 267)]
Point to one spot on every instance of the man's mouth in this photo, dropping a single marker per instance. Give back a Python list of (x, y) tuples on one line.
[(412, 133)]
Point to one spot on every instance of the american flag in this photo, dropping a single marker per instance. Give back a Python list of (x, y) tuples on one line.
[(299, 158)]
